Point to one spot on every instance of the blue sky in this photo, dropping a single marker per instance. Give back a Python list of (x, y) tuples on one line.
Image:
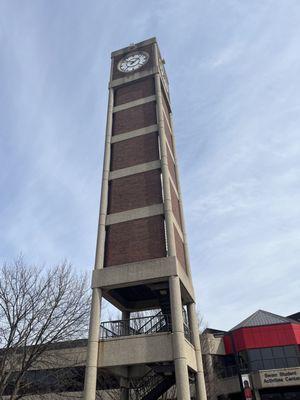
[(234, 77)]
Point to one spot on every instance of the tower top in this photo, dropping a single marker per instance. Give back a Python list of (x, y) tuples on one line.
[(133, 46), (136, 61)]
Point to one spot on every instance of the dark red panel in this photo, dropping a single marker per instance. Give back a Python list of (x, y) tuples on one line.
[(296, 329), (227, 344), (263, 336)]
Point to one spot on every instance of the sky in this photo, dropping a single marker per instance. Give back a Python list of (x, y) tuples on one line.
[(233, 67)]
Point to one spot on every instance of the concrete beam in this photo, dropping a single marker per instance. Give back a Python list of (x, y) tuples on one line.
[(136, 169), (141, 272), (135, 133), (133, 77), (136, 213), (134, 103)]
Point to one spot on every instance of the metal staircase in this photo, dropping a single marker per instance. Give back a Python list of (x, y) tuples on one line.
[(151, 386)]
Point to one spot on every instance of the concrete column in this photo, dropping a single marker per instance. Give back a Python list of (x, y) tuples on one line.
[(193, 323), (257, 394), (126, 322), (181, 371), (90, 381), (164, 165), (186, 250), (99, 259), (124, 388), (124, 382)]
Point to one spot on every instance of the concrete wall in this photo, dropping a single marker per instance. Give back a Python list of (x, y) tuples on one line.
[(142, 349)]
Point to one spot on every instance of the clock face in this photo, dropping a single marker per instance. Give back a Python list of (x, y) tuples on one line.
[(133, 61)]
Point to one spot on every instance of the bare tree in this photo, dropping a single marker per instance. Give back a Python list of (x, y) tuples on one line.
[(38, 310)]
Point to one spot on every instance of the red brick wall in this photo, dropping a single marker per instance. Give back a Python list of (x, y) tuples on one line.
[(180, 252), (118, 74), (133, 91), (134, 118), (134, 191), (138, 150), (132, 241), (175, 205), (171, 167)]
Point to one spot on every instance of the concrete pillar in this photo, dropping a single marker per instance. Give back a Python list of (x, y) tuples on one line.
[(90, 381), (124, 381), (99, 259), (126, 322), (124, 388), (164, 165), (193, 323), (181, 370), (186, 250)]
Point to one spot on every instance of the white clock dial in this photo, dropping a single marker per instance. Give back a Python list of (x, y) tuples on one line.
[(133, 61)]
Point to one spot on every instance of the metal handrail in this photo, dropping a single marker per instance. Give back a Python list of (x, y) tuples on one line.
[(152, 317), (148, 382), (187, 332), (135, 326)]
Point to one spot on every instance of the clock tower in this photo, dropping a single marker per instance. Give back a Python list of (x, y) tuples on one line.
[(142, 265)]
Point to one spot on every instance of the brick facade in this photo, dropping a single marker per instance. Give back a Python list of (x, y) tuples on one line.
[(135, 191), (132, 241), (144, 238), (134, 118), (138, 150), (134, 91)]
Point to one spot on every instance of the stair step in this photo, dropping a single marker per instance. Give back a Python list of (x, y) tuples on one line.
[(160, 389)]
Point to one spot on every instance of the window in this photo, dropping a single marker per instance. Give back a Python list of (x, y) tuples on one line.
[(291, 351), (266, 353), (293, 362), (278, 352), (254, 354), (224, 366), (280, 363), (272, 357), (256, 365), (269, 364)]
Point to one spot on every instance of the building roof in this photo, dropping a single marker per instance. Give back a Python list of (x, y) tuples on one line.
[(295, 316), (262, 317), (214, 331)]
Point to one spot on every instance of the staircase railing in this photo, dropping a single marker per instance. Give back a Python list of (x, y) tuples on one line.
[(139, 388), (136, 326)]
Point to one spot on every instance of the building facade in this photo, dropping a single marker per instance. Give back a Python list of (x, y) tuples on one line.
[(142, 259), (263, 350)]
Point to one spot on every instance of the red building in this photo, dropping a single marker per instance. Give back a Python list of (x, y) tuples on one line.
[(263, 350)]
